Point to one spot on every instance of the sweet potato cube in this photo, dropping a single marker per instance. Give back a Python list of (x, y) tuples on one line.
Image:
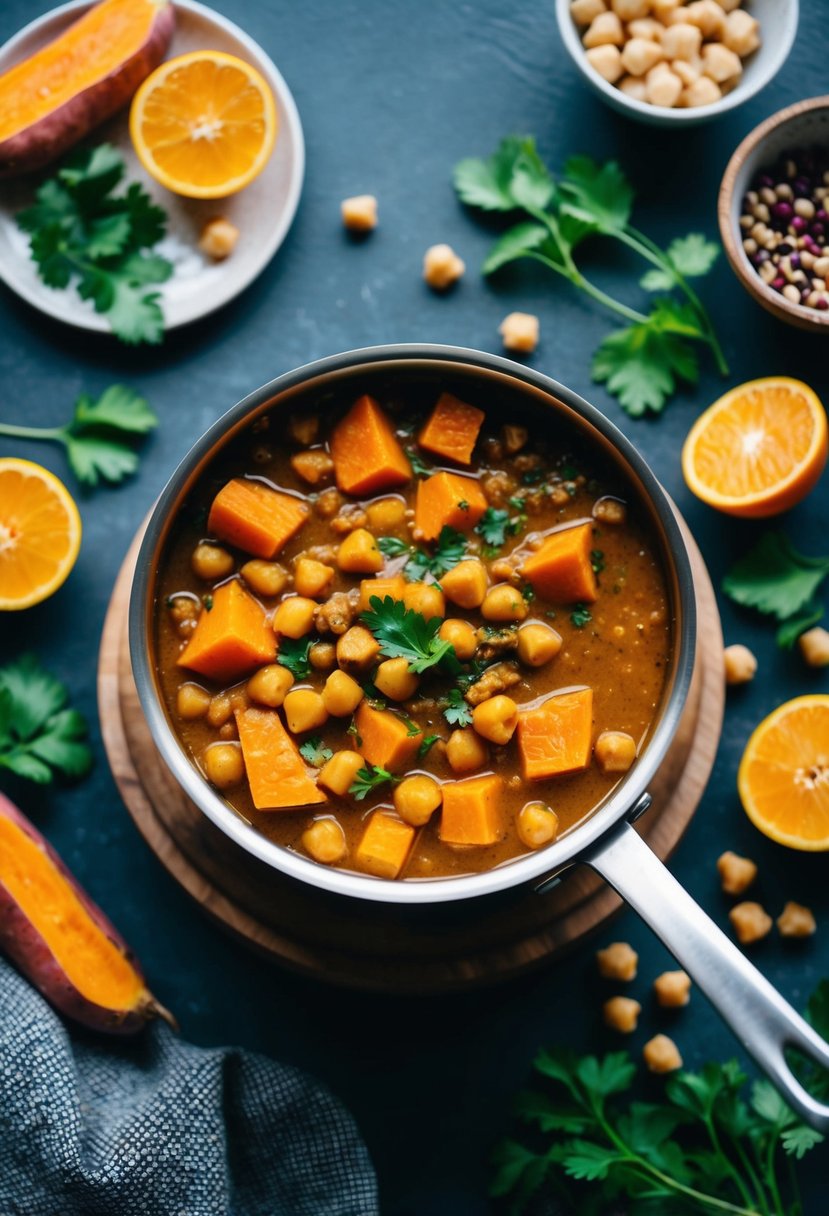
[(231, 638), (448, 500), (381, 587), (472, 811), (555, 737), (253, 517), (383, 738), (276, 773), (452, 429), (562, 570), (385, 845), (367, 456)]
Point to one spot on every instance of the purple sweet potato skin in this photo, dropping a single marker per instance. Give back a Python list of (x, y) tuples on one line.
[(52, 135), (20, 940)]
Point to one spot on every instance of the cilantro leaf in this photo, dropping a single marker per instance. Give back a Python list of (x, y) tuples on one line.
[(790, 630), (426, 744), (456, 711), (391, 546), (597, 194), (514, 176), (775, 579), (641, 363), (450, 548), (369, 779), (39, 735), (314, 752), (515, 243), (493, 526), (692, 255), (293, 653), (405, 634)]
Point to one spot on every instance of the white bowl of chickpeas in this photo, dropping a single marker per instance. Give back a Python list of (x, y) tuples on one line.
[(667, 63)]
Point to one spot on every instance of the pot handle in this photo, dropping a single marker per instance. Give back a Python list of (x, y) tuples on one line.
[(754, 1010)]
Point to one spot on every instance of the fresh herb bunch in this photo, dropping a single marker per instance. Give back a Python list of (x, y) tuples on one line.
[(775, 579), (406, 634), (369, 779), (39, 735), (641, 362), (80, 229), (705, 1148), (293, 653), (99, 438), (449, 550)]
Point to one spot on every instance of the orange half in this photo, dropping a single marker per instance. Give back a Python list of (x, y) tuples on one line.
[(784, 774), (204, 124), (759, 450), (40, 533)]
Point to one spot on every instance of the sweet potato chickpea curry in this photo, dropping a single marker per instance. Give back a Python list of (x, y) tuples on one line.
[(410, 640)]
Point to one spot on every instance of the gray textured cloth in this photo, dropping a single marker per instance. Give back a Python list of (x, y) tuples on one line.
[(153, 1126)]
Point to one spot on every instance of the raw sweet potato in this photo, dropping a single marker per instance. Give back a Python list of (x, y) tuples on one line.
[(561, 570), (385, 845), (231, 638), (452, 429), (384, 738), (472, 810), (60, 940), (367, 457), (253, 517), (554, 738), (448, 500), (52, 99), (277, 775)]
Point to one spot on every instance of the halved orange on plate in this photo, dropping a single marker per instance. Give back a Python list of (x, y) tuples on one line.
[(204, 124), (40, 533), (759, 450), (784, 774)]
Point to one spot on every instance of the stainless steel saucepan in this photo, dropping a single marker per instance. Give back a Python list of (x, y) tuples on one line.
[(759, 1017)]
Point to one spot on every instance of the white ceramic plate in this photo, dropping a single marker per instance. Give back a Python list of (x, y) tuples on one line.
[(262, 212)]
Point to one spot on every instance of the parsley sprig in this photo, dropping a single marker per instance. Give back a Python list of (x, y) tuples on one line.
[(39, 734), (456, 711), (293, 653), (641, 362), (406, 634), (496, 524), (315, 752), (369, 779), (448, 551), (776, 580), (100, 437), (81, 230), (708, 1147)]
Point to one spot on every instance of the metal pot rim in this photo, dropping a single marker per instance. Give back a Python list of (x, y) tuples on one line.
[(556, 857)]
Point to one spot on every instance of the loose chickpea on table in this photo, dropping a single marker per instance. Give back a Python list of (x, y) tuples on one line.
[(618, 961), (621, 1013)]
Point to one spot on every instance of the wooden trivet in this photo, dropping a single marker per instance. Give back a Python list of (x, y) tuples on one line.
[(382, 946)]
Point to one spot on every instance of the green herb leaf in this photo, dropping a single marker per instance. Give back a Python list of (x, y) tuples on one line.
[(39, 735), (405, 634), (515, 243), (494, 525), (391, 546), (597, 560), (427, 743), (293, 653), (788, 633), (369, 779), (456, 711), (314, 752), (775, 579), (514, 176), (419, 466), (690, 256), (641, 363), (597, 194), (581, 616), (449, 550)]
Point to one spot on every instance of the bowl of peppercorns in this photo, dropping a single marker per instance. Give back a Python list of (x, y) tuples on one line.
[(774, 214)]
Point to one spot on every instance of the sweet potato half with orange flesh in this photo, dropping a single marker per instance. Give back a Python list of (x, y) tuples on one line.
[(277, 774), (367, 456), (447, 500), (561, 570), (452, 429), (255, 518), (555, 738), (56, 96), (231, 638), (60, 940)]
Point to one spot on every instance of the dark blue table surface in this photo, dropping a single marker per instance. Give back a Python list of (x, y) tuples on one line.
[(391, 96)]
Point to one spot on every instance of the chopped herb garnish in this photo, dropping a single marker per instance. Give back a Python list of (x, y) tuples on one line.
[(570, 487), (392, 546), (369, 779), (373, 695), (207, 600), (314, 752), (495, 525), (427, 743), (569, 472), (293, 654), (405, 634), (517, 502), (528, 593), (456, 711), (450, 548), (463, 505), (581, 616), (597, 560), (418, 467), (531, 477), (39, 735)]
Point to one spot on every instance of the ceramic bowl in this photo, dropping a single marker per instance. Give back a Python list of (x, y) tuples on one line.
[(778, 25), (804, 124)]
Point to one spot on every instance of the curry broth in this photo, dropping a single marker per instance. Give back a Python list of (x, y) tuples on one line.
[(621, 651)]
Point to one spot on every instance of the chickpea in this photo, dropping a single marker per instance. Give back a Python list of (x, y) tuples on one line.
[(640, 55), (661, 1054), (357, 649), (504, 603), (645, 27), (604, 28), (466, 750), (720, 63), (520, 330), (514, 438), (184, 611), (442, 267), (615, 751), (742, 33), (703, 92), (662, 86), (394, 680), (736, 873), (218, 238), (584, 11), (341, 695), (324, 840), (607, 61), (709, 16), (312, 579), (496, 719), (386, 514), (461, 635), (814, 647), (750, 921), (328, 503), (672, 989), (537, 644), (425, 598), (537, 825), (211, 562), (294, 617), (192, 701), (359, 554), (267, 579), (466, 583), (220, 709), (269, 685), (416, 799), (359, 212), (621, 1013), (618, 961), (304, 710), (740, 664), (322, 656), (682, 41), (609, 510), (630, 10), (313, 467), (224, 765), (796, 921), (338, 773)]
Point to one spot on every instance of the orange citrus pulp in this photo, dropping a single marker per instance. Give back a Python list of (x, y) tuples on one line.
[(784, 774), (204, 124), (40, 533), (759, 450)]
